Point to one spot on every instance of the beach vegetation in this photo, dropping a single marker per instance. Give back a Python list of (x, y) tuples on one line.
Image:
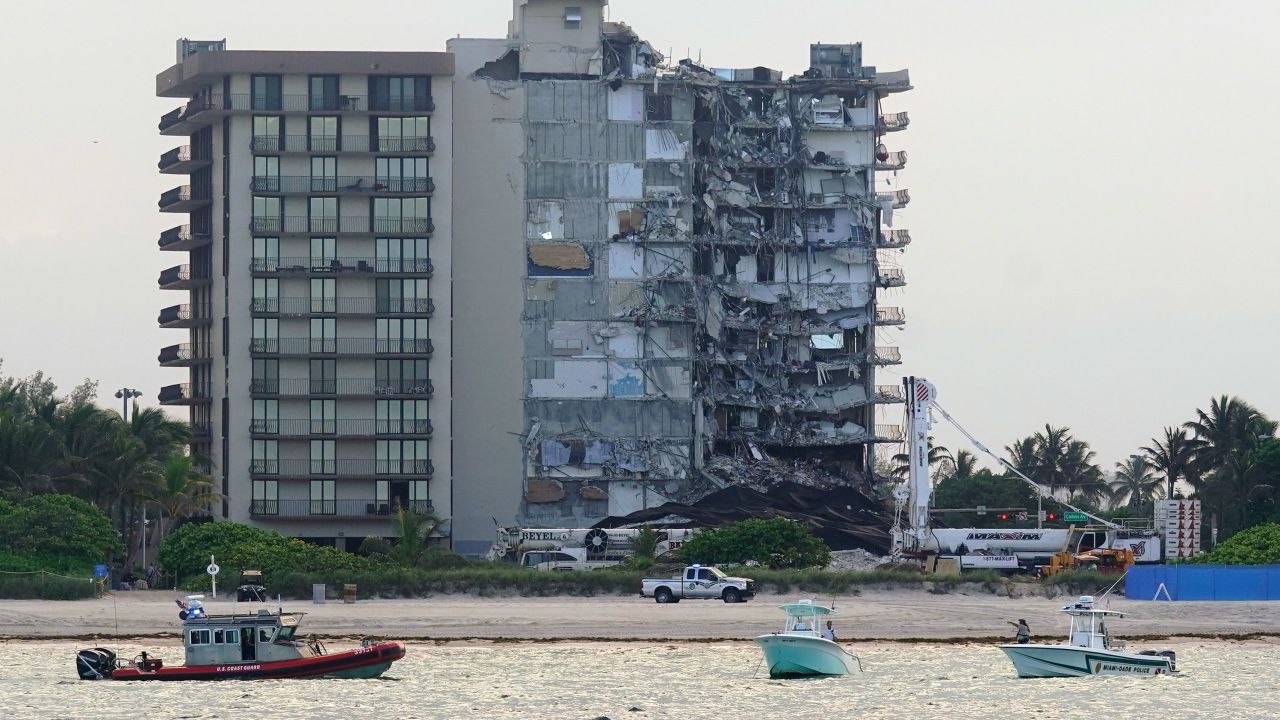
[(776, 543)]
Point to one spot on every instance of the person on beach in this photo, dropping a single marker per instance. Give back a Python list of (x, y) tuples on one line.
[(830, 632), (1024, 631)]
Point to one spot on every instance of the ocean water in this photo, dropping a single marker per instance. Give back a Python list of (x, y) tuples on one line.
[(634, 681)]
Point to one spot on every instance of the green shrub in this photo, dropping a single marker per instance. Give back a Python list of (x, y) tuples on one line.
[(776, 542), (59, 526), (11, 561), (237, 547), (645, 544), (45, 587), (1084, 582), (1258, 545)]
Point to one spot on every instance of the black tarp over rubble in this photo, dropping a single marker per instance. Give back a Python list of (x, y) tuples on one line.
[(843, 517)]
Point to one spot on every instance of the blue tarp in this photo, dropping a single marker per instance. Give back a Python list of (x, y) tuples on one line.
[(1204, 582)]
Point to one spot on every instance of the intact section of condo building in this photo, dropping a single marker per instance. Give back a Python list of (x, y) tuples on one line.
[(311, 281), (685, 271)]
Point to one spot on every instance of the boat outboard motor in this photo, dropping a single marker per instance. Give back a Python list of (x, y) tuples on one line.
[(1173, 659), (95, 664)]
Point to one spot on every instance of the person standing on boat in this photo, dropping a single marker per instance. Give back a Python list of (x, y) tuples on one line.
[(829, 632), (1024, 631)]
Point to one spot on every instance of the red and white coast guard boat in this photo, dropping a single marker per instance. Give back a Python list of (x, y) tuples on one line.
[(244, 646)]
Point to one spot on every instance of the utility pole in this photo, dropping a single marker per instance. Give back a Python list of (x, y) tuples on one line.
[(125, 395)]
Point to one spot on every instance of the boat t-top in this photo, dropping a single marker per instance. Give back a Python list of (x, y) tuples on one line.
[(800, 650), (242, 646), (1089, 650)]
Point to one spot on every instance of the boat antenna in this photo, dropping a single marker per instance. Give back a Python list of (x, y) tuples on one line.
[(1113, 585)]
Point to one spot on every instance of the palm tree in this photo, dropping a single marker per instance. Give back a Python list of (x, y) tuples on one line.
[(1171, 457), (964, 465), (180, 491), (939, 458), (1135, 484), (1080, 474), (1022, 455), (1223, 439), (414, 529)]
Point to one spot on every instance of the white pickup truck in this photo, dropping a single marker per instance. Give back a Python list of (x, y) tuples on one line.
[(698, 583)]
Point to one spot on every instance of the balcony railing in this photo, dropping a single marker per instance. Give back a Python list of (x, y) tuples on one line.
[(342, 306), (201, 429), (181, 160), (182, 198), (342, 144), (362, 184), (340, 428), (176, 316), (887, 355), (890, 277), (184, 354), (308, 265), (346, 468), (346, 224), (183, 394), (346, 508), (895, 239), (892, 160), (893, 122), (900, 198), (890, 316), (181, 276), (338, 102), (356, 387), (182, 237), (341, 346), (889, 394), (889, 433)]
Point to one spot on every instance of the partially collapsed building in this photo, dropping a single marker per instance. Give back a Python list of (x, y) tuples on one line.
[(667, 275)]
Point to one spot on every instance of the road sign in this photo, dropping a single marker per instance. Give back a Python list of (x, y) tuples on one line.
[(1075, 517)]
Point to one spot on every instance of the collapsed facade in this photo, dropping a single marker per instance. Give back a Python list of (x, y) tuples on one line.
[(699, 276)]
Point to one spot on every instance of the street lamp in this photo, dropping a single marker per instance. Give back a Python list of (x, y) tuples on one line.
[(125, 395)]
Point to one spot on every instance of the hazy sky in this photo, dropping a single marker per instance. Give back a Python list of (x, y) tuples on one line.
[(1094, 232)]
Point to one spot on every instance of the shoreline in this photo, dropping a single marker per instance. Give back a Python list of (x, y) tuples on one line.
[(896, 616)]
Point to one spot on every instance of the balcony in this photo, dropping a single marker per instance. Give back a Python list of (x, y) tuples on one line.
[(185, 316), (304, 306), (887, 394), (363, 468), (890, 316), (893, 122), (182, 277), (183, 238), (184, 394), (352, 509), (180, 161), (417, 267), (201, 430), (889, 434), (341, 346), (184, 355), (344, 144), (887, 355), (342, 185), (341, 429), (183, 199), (899, 198), (890, 277), (343, 387), (358, 224), (895, 239), (895, 160)]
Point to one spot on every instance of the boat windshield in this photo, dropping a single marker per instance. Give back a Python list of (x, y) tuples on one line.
[(286, 632)]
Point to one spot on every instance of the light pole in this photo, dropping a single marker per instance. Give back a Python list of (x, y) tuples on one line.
[(125, 395)]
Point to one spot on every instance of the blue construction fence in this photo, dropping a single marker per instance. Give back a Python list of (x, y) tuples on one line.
[(1203, 582)]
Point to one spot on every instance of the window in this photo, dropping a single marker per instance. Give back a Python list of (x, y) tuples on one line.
[(400, 174), (264, 635), (418, 493), (322, 134), (266, 457), (266, 375), (324, 376), (403, 255), (323, 214), (323, 417), (266, 335), (400, 94), (402, 377), (198, 637), (217, 636), (266, 295), (266, 92), (324, 174), (403, 295), (705, 574), (408, 417), (657, 107), (266, 133), (408, 134), (266, 214), (382, 496), (266, 497), (266, 416), (764, 266), (324, 333), (324, 295), (324, 253), (324, 92), (402, 457), (266, 254), (408, 215), (323, 502), (322, 457), (403, 335), (266, 173), (231, 636), (286, 632), (572, 17)]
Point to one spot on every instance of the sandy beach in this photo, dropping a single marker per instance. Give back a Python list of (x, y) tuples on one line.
[(880, 615)]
